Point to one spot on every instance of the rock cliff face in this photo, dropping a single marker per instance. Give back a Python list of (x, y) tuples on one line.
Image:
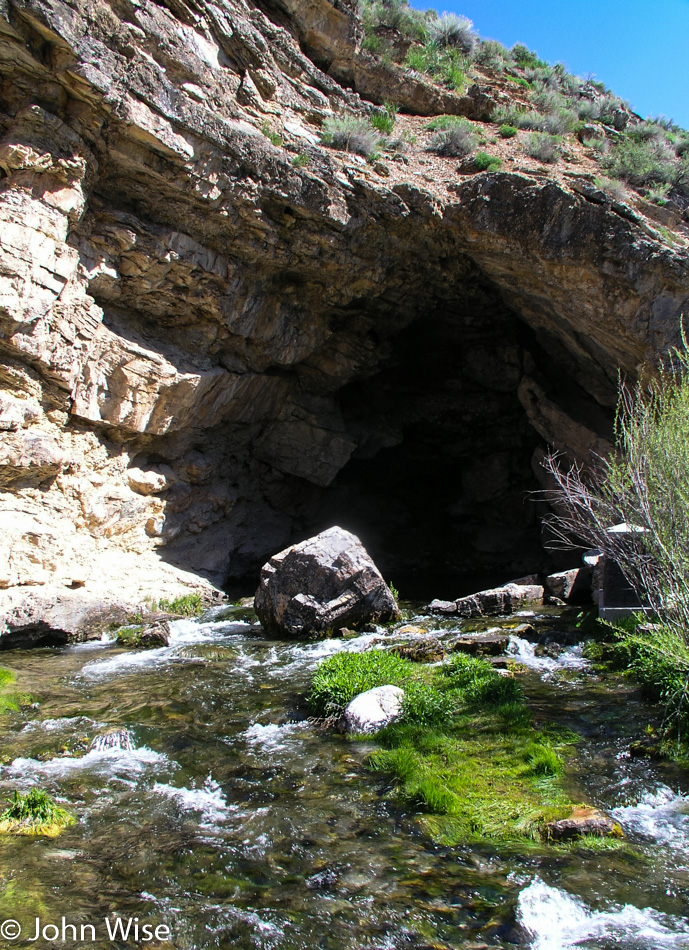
[(209, 351)]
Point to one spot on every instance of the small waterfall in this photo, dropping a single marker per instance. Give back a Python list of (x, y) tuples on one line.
[(114, 739)]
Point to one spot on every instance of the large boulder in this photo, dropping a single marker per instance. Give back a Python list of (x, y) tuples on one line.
[(322, 584), (498, 600), (370, 711)]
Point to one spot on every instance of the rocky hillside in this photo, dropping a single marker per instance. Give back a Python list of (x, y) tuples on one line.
[(232, 312)]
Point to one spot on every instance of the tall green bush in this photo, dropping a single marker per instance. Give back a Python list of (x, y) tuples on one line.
[(644, 484)]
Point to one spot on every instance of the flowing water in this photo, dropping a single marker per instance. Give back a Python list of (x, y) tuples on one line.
[(208, 803)]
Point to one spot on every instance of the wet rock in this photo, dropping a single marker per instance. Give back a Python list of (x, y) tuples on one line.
[(523, 630), (572, 587), (148, 637), (411, 630), (322, 584), (499, 600), (480, 644), (443, 606), (370, 711), (527, 581), (423, 650), (583, 821), (645, 749)]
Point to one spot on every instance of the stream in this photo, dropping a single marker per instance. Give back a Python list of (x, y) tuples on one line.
[(208, 803)]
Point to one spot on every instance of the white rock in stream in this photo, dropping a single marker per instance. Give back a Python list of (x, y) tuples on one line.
[(370, 711)]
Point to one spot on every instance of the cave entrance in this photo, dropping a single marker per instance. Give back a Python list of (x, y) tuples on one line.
[(439, 486)]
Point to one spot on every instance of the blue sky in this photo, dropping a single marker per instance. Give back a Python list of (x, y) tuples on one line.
[(639, 48)]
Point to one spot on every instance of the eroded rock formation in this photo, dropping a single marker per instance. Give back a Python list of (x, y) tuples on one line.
[(209, 351)]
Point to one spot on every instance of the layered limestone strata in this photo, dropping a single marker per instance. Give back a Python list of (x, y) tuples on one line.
[(209, 352)]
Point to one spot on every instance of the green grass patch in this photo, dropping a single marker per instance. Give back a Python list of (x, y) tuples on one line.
[(342, 677), (10, 700), (508, 131), (464, 755), (189, 605), (35, 813)]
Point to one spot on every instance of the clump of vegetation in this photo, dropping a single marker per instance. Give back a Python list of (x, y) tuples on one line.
[(615, 189), (658, 194), (464, 752), (9, 701), (342, 677), (454, 139), (645, 485), (188, 605), (485, 162), (390, 15), (525, 58), (544, 148), (448, 66), (455, 31), (492, 55), (351, 134), (35, 813), (300, 160), (641, 162), (508, 131), (273, 137), (384, 119)]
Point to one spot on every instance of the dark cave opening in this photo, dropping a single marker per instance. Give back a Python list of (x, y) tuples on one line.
[(440, 486)]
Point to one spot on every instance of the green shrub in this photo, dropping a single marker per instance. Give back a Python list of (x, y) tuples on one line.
[(35, 813), (507, 131), (452, 72), (375, 44), (455, 31), (455, 142), (394, 15), (560, 121), (300, 160), (443, 122), (485, 162), (524, 57), (446, 65), (640, 162), (588, 110), (384, 119), (492, 55), (615, 189), (350, 134), (644, 483), (342, 677), (544, 148)]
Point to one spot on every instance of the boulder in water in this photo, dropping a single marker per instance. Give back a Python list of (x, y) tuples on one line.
[(370, 711), (572, 587), (148, 637), (322, 584), (583, 821), (424, 649), (498, 600)]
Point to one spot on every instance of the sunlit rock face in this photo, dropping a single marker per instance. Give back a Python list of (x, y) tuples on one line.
[(209, 352)]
